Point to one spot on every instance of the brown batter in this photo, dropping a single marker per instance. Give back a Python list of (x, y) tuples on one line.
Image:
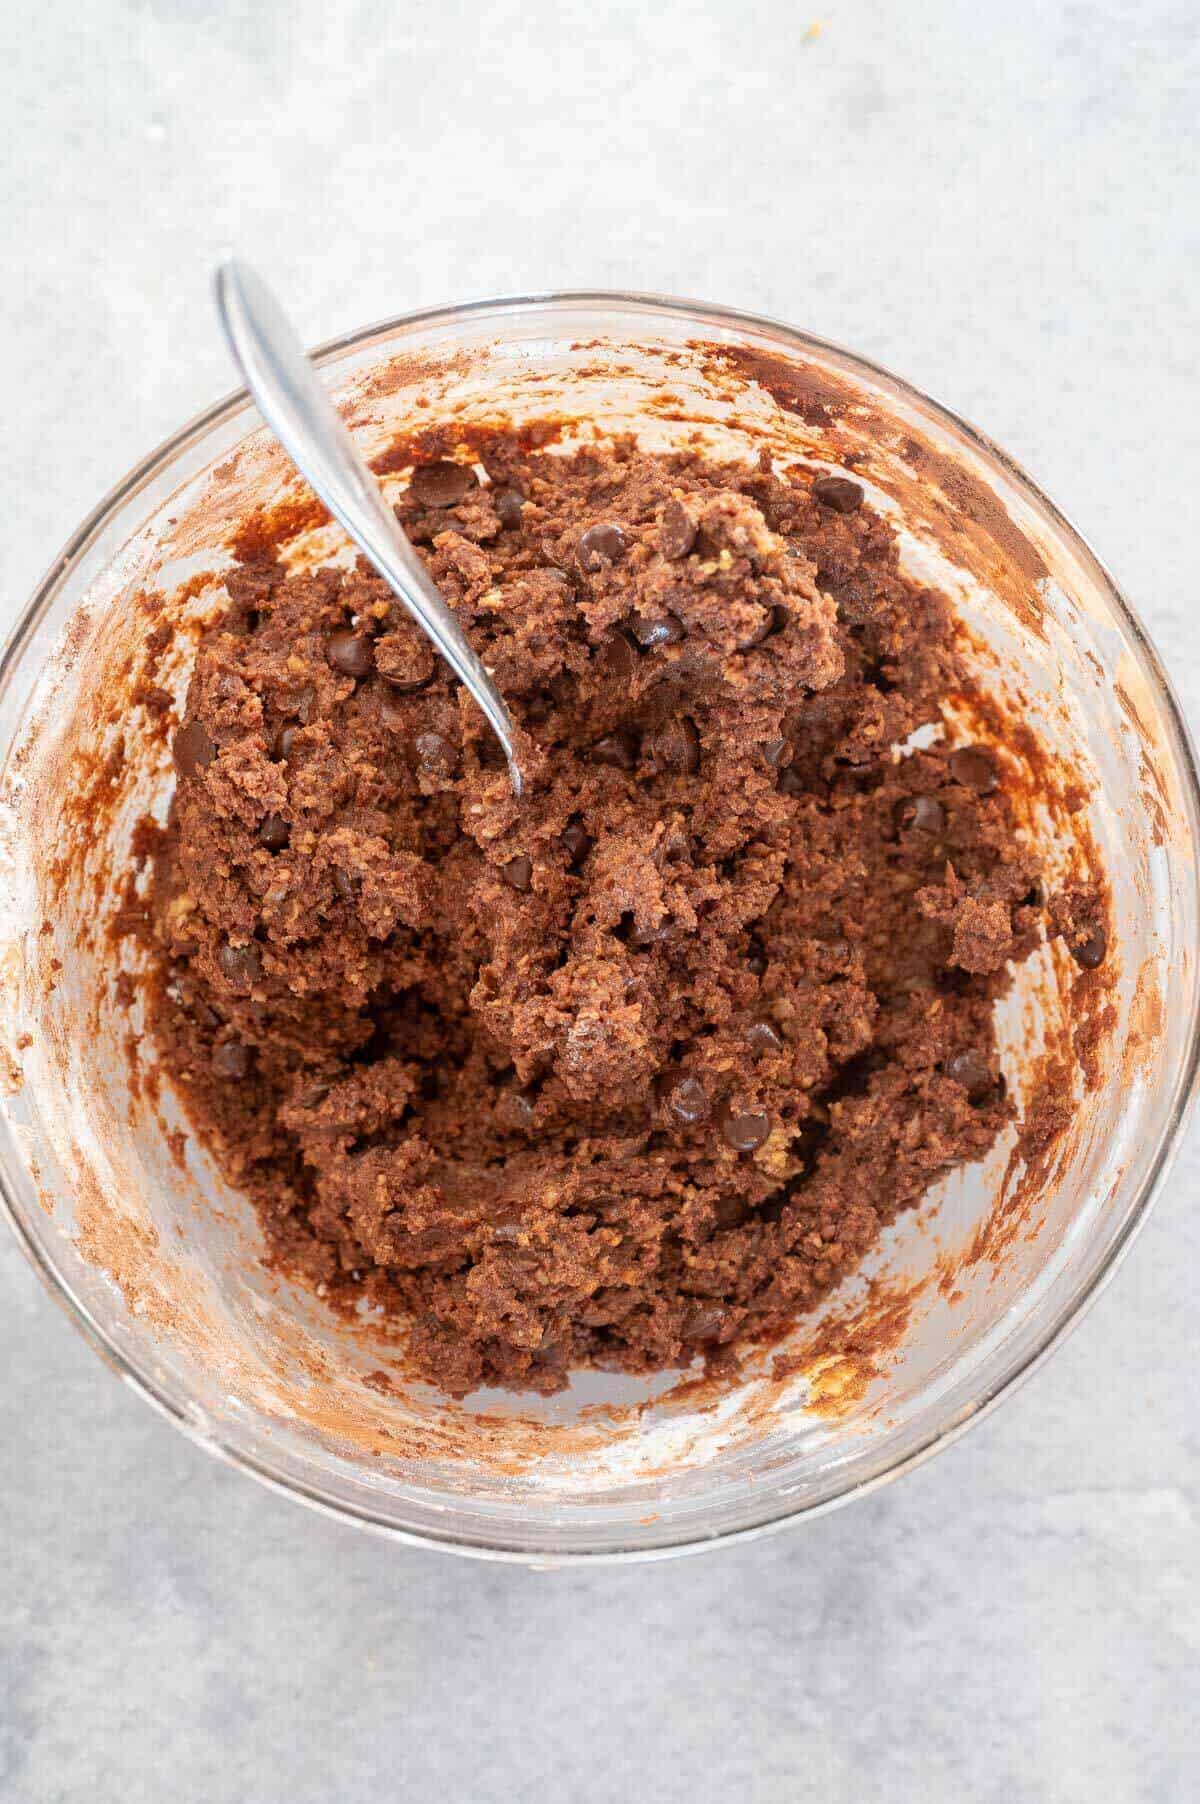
[(641, 1066)]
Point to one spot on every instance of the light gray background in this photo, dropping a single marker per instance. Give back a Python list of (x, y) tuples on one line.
[(998, 201)]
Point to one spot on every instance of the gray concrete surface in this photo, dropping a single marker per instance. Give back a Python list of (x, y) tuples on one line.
[(1000, 203)]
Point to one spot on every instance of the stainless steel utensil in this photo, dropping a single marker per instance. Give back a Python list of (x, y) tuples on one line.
[(299, 412)]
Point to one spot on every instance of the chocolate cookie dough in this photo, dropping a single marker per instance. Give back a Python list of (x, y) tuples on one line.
[(641, 1066)]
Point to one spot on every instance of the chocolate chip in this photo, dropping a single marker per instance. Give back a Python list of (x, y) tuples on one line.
[(649, 936), (674, 845), (732, 1211), (231, 1060), (344, 884), (284, 744), (674, 748), (274, 833), (974, 767), (773, 618), (703, 1322), (518, 872), (1090, 951), (970, 1069), (520, 1108), (406, 660), (651, 634), (762, 1036), (442, 484), (508, 504), (239, 965), (683, 1099), (777, 752), (601, 546), (435, 754), (677, 532), (838, 493), (618, 750), (617, 658), (575, 842), (923, 814), (351, 653), (743, 1126), (193, 750)]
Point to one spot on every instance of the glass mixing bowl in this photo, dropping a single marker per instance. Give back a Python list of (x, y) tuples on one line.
[(155, 1257)]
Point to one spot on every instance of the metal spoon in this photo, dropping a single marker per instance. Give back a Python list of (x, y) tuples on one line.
[(299, 412)]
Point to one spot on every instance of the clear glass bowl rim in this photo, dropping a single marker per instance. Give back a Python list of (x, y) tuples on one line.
[(796, 341)]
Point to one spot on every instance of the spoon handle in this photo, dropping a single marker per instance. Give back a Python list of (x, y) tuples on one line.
[(299, 412)]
